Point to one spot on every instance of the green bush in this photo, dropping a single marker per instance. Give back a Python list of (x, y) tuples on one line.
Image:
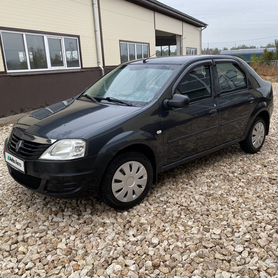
[(268, 56), (256, 60)]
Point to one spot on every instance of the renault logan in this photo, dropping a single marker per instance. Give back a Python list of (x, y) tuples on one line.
[(142, 118)]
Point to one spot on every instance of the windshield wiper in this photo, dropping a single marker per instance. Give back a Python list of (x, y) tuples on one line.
[(88, 97), (112, 99)]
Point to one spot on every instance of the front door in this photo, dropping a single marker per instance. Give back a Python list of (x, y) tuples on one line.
[(192, 129)]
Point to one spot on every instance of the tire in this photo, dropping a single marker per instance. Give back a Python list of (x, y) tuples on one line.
[(127, 180), (250, 145)]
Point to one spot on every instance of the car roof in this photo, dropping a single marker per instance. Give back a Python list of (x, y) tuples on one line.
[(182, 60)]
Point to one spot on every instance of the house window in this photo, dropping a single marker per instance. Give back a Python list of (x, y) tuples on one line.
[(72, 54), (14, 51), (124, 52), (55, 52), (139, 51), (191, 51), (36, 52), (132, 51), (166, 50), (146, 51)]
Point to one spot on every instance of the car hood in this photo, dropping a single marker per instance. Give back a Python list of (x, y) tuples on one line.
[(74, 119)]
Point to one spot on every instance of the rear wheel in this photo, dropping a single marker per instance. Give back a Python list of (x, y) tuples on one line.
[(255, 138), (127, 180)]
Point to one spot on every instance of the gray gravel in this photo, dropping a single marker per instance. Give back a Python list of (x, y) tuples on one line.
[(215, 217)]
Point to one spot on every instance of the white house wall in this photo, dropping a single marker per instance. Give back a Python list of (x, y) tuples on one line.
[(168, 24), (63, 16), (191, 37), (122, 20)]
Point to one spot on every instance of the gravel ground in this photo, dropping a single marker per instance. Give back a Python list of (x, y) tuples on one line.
[(215, 217)]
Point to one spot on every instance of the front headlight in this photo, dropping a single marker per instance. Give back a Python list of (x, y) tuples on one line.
[(65, 149)]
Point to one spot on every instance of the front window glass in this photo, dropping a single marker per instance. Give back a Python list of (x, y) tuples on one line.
[(36, 51), (135, 84), (196, 84), (14, 51), (55, 52)]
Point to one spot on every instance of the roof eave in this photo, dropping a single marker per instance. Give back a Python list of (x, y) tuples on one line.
[(167, 10)]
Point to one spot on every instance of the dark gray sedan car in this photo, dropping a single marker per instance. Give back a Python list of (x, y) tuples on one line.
[(142, 118)]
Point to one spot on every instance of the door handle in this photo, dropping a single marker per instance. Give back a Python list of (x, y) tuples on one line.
[(251, 99)]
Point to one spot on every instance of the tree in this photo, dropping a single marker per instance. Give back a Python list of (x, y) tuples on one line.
[(211, 51), (243, 46), (269, 45), (268, 56)]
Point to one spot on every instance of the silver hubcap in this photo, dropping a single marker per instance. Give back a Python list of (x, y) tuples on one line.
[(258, 134), (129, 181)]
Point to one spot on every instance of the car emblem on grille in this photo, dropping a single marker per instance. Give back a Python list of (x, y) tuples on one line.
[(18, 145)]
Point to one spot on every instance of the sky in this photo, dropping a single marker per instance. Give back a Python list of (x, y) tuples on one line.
[(233, 22)]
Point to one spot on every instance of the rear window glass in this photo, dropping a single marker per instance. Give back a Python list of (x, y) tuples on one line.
[(230, 77)]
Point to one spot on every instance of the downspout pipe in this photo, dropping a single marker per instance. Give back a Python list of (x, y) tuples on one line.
[(201, 37), (98, 36)]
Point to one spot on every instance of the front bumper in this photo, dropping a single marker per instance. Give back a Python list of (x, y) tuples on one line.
[(58, 178)]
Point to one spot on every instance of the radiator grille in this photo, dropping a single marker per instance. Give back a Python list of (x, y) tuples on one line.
[(26, 149)]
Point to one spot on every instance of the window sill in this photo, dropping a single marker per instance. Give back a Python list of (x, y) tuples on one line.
[(43, 72)]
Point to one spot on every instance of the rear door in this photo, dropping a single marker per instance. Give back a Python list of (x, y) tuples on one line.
[(235, 101), (192, 129)]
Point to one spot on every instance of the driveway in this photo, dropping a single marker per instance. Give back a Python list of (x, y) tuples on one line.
[(216, 216)]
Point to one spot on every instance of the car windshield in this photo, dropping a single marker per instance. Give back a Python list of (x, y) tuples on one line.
[(132, 84)]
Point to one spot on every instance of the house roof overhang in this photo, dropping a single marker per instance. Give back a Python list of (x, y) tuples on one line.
[(169, 11)]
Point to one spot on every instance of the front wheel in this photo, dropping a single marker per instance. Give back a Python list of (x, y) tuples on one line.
[(127, 180), (255, 138)]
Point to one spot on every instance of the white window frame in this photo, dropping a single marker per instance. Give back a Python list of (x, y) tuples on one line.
[(135, 45), (46, 46)]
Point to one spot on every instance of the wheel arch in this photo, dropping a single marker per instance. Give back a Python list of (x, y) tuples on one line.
[(266, 117), (264, 114), (144, 149)]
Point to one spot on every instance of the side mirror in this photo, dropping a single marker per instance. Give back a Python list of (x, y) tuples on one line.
[(178, 101)]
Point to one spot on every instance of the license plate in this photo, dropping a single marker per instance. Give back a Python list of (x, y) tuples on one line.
[(14, 162)]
